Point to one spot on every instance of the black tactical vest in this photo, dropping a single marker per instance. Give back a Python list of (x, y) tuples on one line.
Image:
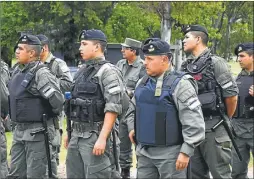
[(245, 104), (202, 71), (87, 103), (26, 107)]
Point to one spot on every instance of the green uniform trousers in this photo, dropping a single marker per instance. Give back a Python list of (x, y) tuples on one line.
[(213, 155), (3, 153), (125, 145), (80, 161), (240, 168), (28, 153)]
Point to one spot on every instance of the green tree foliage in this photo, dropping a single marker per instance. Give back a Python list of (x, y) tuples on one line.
[(130, 20), (228, 23)]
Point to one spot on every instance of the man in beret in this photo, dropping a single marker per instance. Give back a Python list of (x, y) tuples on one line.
[(95, 104), (169, 123), (243, 118), (216, 87), (59, 68), (4, 109), (34, 91), (132, 68)]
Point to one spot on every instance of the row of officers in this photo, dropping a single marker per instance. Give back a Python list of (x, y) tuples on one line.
[(181, 122)]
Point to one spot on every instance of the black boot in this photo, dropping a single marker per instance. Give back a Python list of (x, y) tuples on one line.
[(125, 173)]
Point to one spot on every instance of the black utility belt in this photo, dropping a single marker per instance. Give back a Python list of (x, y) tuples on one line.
[(85, 120), (87, 127), (30, 125), (211, 117)]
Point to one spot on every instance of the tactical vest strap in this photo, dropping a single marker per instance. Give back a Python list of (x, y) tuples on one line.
[(50, 65), (144, 80), (173, 80), (27, 82)]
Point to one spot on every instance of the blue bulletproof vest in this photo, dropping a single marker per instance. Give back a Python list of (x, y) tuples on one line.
[(157, 122)]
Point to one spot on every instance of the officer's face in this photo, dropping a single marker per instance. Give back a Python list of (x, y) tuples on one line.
[(22, 54), (189, 42), (245, 60), (155, 65), (88, 49), (127, 52)]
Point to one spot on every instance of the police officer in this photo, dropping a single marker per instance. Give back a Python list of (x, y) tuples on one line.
[(215, 86), (4, 108), (95, 104), (34, 91), (59, 68), (132, 68), (169, 123), (243, 118)]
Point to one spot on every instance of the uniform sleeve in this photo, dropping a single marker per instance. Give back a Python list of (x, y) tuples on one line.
[(190, 114), (224, 78), (49, 88), (4, 96), (64, 75), (112, 85), (130, 114)]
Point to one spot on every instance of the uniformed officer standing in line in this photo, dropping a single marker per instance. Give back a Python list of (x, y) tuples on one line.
[(169, 123), (215, 86), (59, 68), (132, 68), (243, 118), (34, 91), (4, 93), (96, 102)]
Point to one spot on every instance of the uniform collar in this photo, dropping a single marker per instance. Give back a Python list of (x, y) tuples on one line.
[(135, 63), (94, 60), (247, 73), (25, 67), (192, 58)]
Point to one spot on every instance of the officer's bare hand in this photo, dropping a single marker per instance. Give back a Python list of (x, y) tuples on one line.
[(99, 147), (65, 142), (131, 136), (251, 90), (182, 161)]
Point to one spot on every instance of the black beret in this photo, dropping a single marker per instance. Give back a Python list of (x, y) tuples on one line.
[(244, 47), (29, 39), (92, 34), (195, 28), (43, 38), (155, 46)]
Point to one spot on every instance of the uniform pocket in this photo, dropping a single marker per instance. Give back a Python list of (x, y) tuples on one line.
[(223, 145), (131, 82), (101, 168)]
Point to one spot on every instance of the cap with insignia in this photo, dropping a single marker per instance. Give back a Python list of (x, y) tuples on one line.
[(92, 34), (244, 47), (43, 38), (195, 28), (132, 43), (155, 46), (29, 39)]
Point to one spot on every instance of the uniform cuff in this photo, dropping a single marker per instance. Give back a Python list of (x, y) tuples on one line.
[(187, 149), (111, 107), (130, 126)]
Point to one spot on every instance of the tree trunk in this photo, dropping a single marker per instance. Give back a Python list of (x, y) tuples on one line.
[(228, 40), (166, 23)]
